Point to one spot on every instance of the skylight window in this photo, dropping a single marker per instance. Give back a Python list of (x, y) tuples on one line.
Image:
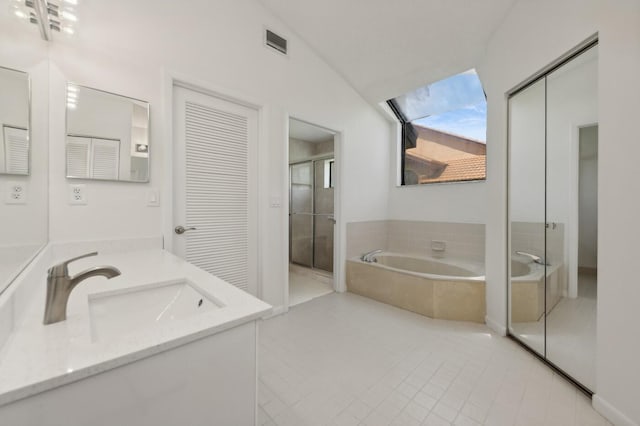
[(444, 131)]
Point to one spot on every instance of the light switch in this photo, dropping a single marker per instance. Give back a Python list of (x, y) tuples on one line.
[(275, 202), (153, 198)]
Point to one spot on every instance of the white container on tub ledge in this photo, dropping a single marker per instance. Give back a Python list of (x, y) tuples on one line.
[(189, 367)]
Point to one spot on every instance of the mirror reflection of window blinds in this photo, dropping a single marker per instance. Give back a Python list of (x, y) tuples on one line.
[(16, 145), (78, 156), (105, 158), (93, 157)]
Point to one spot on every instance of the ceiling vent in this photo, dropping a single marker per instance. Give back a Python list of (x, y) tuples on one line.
[(276, 42)]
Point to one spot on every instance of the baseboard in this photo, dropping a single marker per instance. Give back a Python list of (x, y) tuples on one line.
[(495, 326), (611, 413)]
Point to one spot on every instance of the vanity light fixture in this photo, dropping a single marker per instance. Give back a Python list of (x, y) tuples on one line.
[(49, 15), (72, 97)]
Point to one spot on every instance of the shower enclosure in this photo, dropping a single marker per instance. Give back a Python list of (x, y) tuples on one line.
[(311, 213), (553, 215)]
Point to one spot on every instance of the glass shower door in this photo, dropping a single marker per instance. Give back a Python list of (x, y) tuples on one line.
[(311, 214), (301, 214), (323, 209)]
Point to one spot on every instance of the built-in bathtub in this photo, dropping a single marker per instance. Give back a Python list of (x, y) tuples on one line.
[(437, 288), (451, 289), (527, 290)]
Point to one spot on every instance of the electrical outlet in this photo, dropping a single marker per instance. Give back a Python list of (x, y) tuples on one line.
[(16, 193), (77, 194)]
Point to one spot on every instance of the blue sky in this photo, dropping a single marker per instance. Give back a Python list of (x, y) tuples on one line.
[(470, 122), (456, 104)]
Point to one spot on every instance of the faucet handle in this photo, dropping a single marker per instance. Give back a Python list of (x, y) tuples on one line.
[(60, 270)]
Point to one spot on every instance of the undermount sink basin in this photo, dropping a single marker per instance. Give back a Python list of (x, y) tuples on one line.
[(118, 312)]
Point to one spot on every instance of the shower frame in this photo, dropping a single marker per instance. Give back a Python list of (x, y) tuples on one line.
[(313, 213)]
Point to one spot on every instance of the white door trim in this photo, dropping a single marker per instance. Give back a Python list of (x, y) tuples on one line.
[(172, 79), (338, 243), (573, 233)]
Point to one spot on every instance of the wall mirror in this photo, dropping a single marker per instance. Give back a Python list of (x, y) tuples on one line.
[(24, 146), (14, 122), (107, 136), (553, 200)]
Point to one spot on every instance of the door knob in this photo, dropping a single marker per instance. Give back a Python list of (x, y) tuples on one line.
[(331, 219), (181, 229)]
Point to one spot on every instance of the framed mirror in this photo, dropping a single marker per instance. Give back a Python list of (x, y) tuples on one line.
[(14, 122), (107, 136)]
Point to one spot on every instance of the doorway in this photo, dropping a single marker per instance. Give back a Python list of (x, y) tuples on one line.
[(312, 181)]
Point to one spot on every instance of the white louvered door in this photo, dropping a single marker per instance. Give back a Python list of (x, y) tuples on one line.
[(215, 186)]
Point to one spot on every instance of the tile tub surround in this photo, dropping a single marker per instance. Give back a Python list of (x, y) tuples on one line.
[(366, 236), (463, 240), (435, 298), (37, 358), (528, 294)]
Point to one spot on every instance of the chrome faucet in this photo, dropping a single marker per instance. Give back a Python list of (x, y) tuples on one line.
[(60, 285), (368, 257), (536, 259)]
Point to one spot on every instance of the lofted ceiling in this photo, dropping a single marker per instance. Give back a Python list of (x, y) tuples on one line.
[(385, 48)]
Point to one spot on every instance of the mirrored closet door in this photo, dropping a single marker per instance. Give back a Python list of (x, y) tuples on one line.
[(553, 146)]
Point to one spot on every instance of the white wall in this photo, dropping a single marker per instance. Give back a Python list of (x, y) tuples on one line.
[(444, 202), (519, 48), (618, 374), (218, 45)]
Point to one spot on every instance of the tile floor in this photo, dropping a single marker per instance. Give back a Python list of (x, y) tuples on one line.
[(343, 359), (571, 332), (306, 284)]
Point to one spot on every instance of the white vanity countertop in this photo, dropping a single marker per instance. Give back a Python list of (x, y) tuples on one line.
[(37, 358)]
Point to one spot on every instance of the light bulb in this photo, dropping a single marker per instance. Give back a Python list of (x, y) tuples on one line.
[(69, 16), (21, 14), (68, 30)]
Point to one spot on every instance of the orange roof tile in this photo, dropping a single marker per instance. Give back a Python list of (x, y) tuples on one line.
[(473, 168)]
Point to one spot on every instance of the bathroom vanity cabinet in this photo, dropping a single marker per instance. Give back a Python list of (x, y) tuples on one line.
[(116, 361), (209, 381)]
